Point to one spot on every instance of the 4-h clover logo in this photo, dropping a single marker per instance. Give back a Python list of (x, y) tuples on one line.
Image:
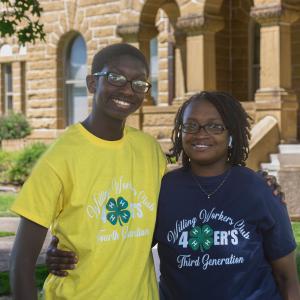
[(201, 237), (118, 211)]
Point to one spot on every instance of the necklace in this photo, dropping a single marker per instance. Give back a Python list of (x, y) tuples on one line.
[(215, 190)]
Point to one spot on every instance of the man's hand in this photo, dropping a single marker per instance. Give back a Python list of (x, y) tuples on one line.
[(273, 184), (58, 261)]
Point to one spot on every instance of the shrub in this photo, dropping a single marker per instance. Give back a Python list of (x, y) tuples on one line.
[(14, 126), (25, 162), (6, 162)]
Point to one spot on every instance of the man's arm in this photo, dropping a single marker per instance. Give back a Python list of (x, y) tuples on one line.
[(285, 273), (27, 246)]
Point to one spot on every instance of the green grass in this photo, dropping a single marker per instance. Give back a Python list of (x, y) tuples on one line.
[(5, 233), (41, 273), (6, 199), (296, 229)]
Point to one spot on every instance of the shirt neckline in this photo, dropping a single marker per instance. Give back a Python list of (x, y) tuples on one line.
[(98, 141)]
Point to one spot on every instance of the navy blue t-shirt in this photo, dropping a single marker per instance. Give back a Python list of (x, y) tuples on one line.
[(220, 248)]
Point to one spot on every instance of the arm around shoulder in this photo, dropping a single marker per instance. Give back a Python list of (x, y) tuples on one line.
[(27, 246)]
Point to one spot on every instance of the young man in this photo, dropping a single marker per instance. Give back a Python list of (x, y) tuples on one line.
[(96, 188)]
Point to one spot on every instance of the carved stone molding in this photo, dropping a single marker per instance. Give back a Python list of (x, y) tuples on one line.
[(136, 31), (195, 24), (275, 14), (128, 31)]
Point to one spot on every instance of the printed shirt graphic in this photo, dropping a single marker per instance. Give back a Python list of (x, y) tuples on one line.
[(219, 248), (100, 200)]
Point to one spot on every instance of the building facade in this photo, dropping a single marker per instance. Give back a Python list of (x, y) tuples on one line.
[(248, 48)]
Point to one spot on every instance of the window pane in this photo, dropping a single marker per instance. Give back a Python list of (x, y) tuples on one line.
[(9, 103), (154, 68), (8, 78), (6, 50), (78, 104), (77, 60), (8, 87)]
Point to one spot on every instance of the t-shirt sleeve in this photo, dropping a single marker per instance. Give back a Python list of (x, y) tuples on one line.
[(40, 199), (278, 238)]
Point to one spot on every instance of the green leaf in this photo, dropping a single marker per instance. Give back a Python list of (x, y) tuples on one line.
[(112, 217), (207, 243), (207, 230), (122, 203), (112, 205), (194, 243), (196, 231), (125, 216)]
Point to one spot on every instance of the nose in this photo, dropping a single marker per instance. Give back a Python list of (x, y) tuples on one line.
[(201, 132), (127, 89)]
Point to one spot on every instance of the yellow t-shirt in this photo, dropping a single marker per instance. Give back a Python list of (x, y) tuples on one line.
[(100, 199)]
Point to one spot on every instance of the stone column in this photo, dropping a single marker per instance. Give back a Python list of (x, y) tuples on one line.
[(162, 51), (180, 67), (201, 51), (275, 96)]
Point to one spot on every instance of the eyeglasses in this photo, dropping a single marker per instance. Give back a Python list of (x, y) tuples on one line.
[(210, 128), (137, 85)]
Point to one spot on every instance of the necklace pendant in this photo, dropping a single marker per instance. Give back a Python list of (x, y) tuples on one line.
[(208, 196)]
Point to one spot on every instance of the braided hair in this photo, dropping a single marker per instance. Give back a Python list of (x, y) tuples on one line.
[(235, 118)]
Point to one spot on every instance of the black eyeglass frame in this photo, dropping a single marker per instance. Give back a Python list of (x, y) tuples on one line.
[(204, 127), (106, 74)]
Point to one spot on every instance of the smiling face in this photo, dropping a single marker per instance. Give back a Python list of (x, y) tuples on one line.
[(114, 102), (203, 149)]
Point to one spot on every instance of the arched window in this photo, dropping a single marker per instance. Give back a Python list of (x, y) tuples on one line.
[(76, 71), (6, 50)]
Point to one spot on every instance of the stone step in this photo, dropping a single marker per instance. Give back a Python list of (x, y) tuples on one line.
[(289, 148), (274, 159)]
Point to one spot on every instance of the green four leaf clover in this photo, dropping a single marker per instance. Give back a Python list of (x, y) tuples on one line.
[(118, 211), (201, 237)]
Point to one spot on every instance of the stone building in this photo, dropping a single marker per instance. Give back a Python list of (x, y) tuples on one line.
[(250, 48)]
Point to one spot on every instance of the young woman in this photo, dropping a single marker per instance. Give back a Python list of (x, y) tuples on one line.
[(220, 232)]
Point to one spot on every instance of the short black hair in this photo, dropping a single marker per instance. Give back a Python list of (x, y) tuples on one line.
[(107, 54), (235, 118)]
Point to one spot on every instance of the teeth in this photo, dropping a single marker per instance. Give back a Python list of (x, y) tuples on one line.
[(121, 103), (201, 146)]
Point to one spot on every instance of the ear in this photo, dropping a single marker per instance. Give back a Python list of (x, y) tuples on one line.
[(91, 83)]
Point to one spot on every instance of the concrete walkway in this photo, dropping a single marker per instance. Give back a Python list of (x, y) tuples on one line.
[(11, 225)]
